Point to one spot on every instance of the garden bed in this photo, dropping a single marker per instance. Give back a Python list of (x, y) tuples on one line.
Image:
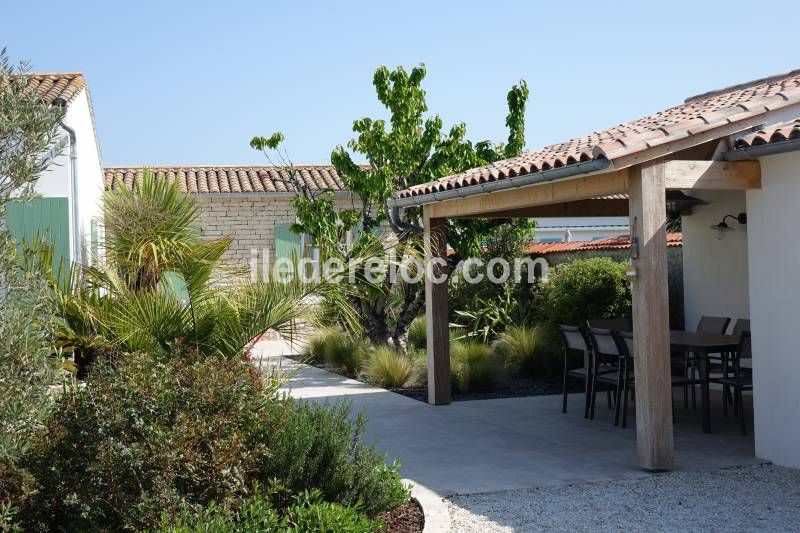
[(516, 388), (406, 518)]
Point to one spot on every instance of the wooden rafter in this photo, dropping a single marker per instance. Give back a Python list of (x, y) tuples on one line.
[(601, 207), (712, 175), (569, 190)]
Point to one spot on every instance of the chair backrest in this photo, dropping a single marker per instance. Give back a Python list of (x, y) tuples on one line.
[(626, 339), (744, 353), (618, 324), (713, 324), (742, 325), (604, 342), (572, 337)]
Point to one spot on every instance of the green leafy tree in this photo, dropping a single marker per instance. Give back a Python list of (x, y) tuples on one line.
[(412, 147)]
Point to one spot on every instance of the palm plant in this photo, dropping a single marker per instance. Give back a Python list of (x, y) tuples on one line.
[(150, 230), (131, 302)]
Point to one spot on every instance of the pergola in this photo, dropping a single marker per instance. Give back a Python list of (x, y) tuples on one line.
[(626, 170)]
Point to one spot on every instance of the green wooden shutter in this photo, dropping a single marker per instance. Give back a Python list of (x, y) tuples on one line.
[(45, 218), (95, 244), (287, 244)]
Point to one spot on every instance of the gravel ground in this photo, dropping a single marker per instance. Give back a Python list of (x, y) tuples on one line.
[(754, 498)]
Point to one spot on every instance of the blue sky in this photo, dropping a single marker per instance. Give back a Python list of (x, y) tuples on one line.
[(192, 82)]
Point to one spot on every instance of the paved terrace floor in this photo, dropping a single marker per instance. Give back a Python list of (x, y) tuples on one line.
[(504, 444)]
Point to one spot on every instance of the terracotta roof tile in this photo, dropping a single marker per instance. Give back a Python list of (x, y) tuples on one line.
[(697, 114), (224, 179), (621, 242), (51, 86), (786, 131)]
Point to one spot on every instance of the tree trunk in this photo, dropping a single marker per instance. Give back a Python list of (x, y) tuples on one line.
[(373, 316), (413, 302)]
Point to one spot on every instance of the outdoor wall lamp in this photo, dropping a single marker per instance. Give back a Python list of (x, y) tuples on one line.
[(723, 228), (681, 204)]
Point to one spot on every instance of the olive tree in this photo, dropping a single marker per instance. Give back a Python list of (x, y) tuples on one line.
[(29, 140)]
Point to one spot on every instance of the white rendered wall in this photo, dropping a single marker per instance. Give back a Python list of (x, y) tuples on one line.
[(775, 308), (715, 272), (54, 182), (90, 171)]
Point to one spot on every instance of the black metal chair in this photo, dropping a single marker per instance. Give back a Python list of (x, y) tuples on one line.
[(574, 340), (713, 324), (707, 324), (740, 326), (607, 367), (742, 379), (625, 339)]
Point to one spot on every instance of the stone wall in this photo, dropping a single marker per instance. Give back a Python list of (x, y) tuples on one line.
[(250, 221)]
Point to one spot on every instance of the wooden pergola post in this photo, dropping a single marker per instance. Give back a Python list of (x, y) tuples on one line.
[(436, 312), (654, 439)]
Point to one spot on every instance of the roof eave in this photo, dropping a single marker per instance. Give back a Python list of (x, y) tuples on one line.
[(543, 176), (761, 150)]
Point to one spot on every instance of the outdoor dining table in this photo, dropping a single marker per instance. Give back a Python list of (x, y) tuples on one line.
[(701, 344)]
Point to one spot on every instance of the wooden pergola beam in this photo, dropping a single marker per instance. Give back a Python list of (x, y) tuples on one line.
[(650, 299), (578, 193), (555, 192), (600, 207), (712, 175)]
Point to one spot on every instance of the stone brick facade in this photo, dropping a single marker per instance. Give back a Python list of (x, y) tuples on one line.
[(250, 220)]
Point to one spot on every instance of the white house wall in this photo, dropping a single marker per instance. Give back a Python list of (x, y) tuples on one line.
[(90, 172), (54, 182), (715, 272), (775, 308)]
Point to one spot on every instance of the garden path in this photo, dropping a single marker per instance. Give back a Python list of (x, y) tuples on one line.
[(504, 444)]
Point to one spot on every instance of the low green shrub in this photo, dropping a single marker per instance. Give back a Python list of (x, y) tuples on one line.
[(473, 366), (578, 291), (586, 289), (388, 368), (516, 349), (311, 513), (254, 514), (320, 446), (308, 513), (418, 333), (146, 437), (345, 351)]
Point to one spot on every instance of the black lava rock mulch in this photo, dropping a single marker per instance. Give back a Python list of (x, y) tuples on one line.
[(515, 388)]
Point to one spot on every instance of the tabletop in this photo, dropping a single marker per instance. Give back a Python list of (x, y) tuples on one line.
[(699, 340)]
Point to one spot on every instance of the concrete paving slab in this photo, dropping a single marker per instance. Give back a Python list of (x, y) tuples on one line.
[(505, 444)]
